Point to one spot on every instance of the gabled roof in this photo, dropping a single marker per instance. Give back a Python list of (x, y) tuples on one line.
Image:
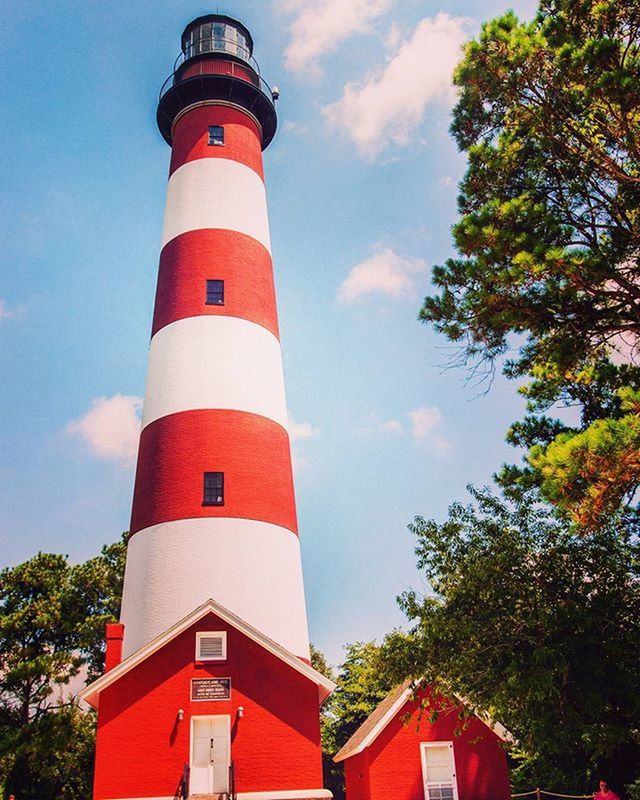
[(91, 693), (362, 737), (387, 710)]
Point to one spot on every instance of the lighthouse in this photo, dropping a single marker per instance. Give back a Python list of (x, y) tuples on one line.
[(208, 688)]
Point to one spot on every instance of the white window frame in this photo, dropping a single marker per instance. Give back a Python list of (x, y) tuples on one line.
[(424, 746), (201, 635)]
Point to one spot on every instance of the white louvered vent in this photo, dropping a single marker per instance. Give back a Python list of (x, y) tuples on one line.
[(211, 646)]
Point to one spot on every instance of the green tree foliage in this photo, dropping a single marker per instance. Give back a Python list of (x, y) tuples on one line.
[(549, 231), (53, 756), (98, 583), (588, 472), (549, 113), (320, 663), (539, 627), (363, 681), (38, 639), (52, 617)]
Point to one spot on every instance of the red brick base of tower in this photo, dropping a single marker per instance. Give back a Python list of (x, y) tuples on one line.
[(145, 720)]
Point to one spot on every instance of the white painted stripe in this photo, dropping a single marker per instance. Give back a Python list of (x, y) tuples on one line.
[(252, 568), (216, 193), (215, 362)]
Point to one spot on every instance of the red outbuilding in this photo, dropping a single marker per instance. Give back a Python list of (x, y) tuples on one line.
[(397, 752)]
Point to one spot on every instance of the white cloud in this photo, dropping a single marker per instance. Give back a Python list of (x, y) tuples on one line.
[(446, 182), (298, 463), (6, 313), (322, 25), (295, 128), (301, 430), (384, 273), (391, 426), (111, 428), (393, 38), (427, 424), (372, 423), (388, 107)]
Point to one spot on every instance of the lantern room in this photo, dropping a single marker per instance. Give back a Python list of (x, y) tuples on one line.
[(215, 33), (216, 64)]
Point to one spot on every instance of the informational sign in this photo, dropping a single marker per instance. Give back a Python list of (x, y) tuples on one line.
[(211, 688)]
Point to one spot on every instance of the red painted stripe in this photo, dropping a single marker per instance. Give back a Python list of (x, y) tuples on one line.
[(244, 265), (241, 138), (217, 66), (252, 451)]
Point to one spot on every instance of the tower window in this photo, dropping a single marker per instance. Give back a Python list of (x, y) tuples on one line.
[(213, 489), (215, 293), (216, 134)]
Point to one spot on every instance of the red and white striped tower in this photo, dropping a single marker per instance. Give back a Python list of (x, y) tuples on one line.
[(213, 509)]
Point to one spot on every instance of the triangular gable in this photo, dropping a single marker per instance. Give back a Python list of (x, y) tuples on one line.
[(387, 710), (91, 693)]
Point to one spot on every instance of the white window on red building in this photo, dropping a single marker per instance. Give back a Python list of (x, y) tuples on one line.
[(438, 771)]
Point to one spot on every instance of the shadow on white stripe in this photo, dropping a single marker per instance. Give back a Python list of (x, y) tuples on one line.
[(215, 362), (252, 568), (216, 193)]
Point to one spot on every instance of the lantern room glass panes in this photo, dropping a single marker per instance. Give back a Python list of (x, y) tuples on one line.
[(216, 37)]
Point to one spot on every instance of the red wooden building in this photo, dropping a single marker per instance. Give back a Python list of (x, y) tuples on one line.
[(212, 691), (398, 753)]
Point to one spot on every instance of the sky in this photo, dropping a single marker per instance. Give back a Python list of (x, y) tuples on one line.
[(361, 183)]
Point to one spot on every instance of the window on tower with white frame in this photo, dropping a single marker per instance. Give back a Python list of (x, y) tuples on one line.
[(439, 771)]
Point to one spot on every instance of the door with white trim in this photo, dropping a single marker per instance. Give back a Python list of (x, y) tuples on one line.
[(438, 771), (210, 754)]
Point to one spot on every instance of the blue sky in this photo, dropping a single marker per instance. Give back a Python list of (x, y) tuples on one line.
[(361, 181)]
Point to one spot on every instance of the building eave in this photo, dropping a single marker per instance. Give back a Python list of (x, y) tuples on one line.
[(355, 746), (91, 693)]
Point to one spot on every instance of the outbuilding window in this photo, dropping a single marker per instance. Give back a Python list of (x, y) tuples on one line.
[(213, 494), (215, 293), (216, 134), (439, 771), (211, 646)]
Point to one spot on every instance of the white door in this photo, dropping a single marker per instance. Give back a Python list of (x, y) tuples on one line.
[(439, 771), (210, 755)]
